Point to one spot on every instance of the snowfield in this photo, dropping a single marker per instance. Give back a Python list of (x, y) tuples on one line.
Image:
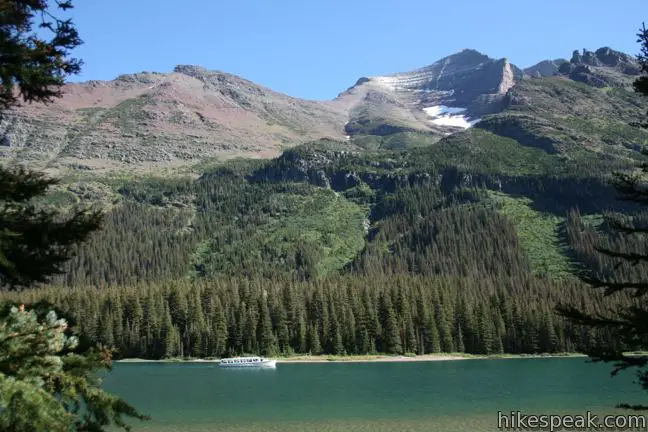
[(449, 116)]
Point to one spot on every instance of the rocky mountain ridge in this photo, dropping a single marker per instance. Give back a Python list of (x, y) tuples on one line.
[(160, 119), (152, 120)]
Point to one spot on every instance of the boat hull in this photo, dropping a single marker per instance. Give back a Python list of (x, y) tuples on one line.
[(266, 364)]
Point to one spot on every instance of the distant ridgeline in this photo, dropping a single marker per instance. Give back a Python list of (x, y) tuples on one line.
[(399, 238)]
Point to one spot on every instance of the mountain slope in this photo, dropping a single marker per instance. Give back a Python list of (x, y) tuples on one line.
[(584, 113), (162, 119)]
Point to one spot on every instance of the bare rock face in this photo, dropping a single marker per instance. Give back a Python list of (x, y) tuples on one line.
[(448, 95)]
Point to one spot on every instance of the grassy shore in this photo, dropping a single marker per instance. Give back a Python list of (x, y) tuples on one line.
[(373, 358)]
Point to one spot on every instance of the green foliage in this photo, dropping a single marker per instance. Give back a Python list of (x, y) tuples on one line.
[(539, 235), (309, 230), (34, 64), (126, 114), (237, 166), (37, 241), (58, 198), (158, 191), (45, 385), (396, 141), (478, 150), (396, 210)]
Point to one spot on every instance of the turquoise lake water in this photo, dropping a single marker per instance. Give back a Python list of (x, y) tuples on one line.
[(444, 396)]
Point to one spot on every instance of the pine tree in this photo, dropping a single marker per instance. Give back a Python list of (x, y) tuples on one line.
[(281, 324), (35, 242), (391, 338), (171, 336), (547, 340), (338, 345), (38, 395), (266, 338), (486, 331), (43, 381), (302, 335), (315, 347), (219, 329), (460, 339), (445, 330), (434, 337), (364, 341), (628, 324)]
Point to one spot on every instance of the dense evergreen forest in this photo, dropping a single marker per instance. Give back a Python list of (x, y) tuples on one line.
[(339, 315), (355, 256)]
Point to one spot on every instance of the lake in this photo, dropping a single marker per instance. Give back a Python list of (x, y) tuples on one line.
[(444, 396)]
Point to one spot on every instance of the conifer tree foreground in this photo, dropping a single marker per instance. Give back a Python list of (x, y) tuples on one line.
[(628, 323), (35, 242), (45, 385)]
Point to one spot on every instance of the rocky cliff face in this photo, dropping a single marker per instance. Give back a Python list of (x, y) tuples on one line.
[(448, 95)]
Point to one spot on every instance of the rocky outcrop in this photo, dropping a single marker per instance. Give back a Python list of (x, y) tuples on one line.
[(604, 67), (509, 76), (585, 74), (604, 56)]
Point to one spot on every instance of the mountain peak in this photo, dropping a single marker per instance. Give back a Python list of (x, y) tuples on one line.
[(191, 70), (468, 51), (465, 56)]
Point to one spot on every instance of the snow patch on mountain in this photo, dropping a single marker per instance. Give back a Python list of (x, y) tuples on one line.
[(449, 116), (441, 110), (394, 83)]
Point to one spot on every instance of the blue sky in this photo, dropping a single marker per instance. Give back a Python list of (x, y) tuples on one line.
[(316, 49)]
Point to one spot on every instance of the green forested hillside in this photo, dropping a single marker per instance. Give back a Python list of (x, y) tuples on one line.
[(327, 252), (397, 243)]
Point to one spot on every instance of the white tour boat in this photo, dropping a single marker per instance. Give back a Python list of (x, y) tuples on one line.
[(246, 362)]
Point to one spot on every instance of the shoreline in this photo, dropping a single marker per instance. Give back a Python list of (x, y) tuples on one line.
[(377, 358)]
